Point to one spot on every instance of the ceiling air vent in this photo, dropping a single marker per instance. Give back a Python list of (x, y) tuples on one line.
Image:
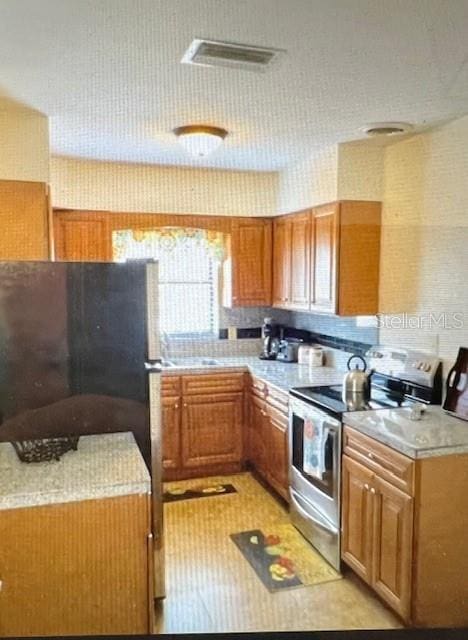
[(211, 53), (386, 128)]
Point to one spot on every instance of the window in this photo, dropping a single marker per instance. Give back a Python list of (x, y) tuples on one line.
[(188, 291), (188, 277)]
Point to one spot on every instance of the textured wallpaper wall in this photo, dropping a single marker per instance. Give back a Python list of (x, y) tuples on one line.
[(424, 263)]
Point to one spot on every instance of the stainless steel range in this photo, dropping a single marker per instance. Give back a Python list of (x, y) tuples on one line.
[(399, 378)]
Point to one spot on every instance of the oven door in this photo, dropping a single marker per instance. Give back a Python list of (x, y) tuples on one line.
[(321, 489)]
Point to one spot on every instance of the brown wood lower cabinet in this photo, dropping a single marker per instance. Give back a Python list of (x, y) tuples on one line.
[(171, 445), (207, 421), (77, 568), (267, 449), (212, 429), (202, 426), (276, 433), (392, 545), (404, 526), (256, 448), (356, 540), (377, 522)]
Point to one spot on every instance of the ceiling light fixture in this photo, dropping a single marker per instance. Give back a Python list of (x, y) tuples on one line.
[(386, 128), (200, 140)]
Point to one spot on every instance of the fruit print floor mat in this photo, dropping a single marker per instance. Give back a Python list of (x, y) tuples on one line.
[(282, 558), (180, 493)]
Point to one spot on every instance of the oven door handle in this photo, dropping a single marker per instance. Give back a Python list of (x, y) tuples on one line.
[(319, 521)]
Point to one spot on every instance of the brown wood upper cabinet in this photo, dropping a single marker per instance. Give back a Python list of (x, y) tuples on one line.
[(24, 219), (87, 236), (247, 273), (326, 259), (291, 266)]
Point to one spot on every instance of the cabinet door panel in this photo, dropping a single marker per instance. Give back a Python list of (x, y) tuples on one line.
[(392, 548), (82, 240), (256, 440), (300, 261), (24, 220), (171, 432), (325, 246), (357, 518), (251, 262), (212, 429), (281, 262), (276, 435)]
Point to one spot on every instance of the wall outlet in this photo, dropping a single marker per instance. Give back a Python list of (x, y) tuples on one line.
[(232, 333)]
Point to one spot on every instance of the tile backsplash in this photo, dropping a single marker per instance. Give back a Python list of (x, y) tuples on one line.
[(340, 336), (344, 329), (251, 317)]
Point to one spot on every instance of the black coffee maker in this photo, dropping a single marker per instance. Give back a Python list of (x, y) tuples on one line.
[(270, 333)]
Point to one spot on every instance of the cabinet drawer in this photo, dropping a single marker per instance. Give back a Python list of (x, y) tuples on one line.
[(258, 387), (385, 461), (170, 385), (278, 399), (278, 417), (207, 383)]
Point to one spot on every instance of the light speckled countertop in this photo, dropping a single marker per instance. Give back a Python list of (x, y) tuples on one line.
[(103, 466), (436, 434), (283, 375)]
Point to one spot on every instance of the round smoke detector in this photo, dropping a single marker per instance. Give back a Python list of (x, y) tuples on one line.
[(386, 128)]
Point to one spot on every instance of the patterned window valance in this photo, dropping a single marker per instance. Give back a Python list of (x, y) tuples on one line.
[(150, 242)]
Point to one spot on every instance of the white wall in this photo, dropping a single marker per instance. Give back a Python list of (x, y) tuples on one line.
[(82, 184), (347, 171), (360, 171), (424, 264), (310, 182), (24, 145)]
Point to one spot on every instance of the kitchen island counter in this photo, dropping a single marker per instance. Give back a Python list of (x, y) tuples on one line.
[(103, 466)]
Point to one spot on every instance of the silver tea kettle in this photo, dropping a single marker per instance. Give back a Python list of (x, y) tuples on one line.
[(356, 386)]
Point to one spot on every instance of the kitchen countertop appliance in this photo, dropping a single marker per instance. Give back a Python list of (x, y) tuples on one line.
[(270, 339), (288, 349), (356, 386), (399, 378)]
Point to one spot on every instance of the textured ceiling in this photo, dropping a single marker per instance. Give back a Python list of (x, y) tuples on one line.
[(107, 73)]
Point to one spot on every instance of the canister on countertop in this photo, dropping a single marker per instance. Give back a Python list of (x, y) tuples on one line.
[(315, 356), (303, 353), (311, 355)]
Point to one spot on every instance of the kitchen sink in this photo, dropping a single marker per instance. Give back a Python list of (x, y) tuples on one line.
[(167, 364)]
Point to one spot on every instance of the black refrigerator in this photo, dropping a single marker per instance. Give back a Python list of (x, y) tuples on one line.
[(79, 354)]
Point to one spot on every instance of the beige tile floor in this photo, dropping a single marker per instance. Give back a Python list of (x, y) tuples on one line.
[(211, 588)]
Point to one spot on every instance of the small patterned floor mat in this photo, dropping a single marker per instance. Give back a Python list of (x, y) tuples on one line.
[(282, 558), (182, 493)]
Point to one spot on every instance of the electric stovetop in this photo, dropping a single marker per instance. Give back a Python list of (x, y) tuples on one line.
[(329, 397)]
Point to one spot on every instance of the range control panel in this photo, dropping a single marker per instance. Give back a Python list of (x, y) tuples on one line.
[(415, 366)]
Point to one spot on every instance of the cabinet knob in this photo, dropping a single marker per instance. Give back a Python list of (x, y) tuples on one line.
[(366, 487), (372, 490), (176, 406), (370, 455), (185, 404)]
